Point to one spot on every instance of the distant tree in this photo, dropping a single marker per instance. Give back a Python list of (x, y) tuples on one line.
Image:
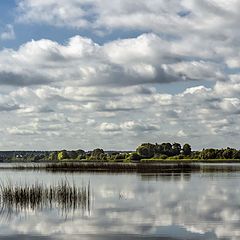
[(114, 153), (53, 156), (187, 149), (36, 158), (158, 149), (134, 157), (146, 150), (176, 149), (72, 154), (236, 154), (209, 153), (102, 157), (62, 155), (97, 154), (119, 156), (230, 153), (81, 152), (196, 154), (167, 149), (219, 153)]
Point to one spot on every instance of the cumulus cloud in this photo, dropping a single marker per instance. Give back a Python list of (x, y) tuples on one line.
[(178, 80), (207, 29), (145, 15), (192, 17), (131, 126), (72, 13), (83, 113), (197, 70), (141, 60)]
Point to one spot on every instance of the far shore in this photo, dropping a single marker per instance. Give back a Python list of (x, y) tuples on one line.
[(143, 161), (154, 166)]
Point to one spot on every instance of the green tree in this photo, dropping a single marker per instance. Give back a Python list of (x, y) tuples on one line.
[(72, 154), (102, 157), (236, 154), (158, 149), (53, 156), (176, 149), (209, 153), (97, 154), (167, 149), (81, 152), (63, 155), (134, 157), (120, 156), (146, 150), (187, 150), (230, 153)]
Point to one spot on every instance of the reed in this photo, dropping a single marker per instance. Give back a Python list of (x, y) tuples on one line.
[(37, 196), (122, 167), (142, 167)]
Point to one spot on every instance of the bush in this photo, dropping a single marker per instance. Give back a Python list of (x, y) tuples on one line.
[(81, 157), (53, 156), (163, 156), (146, 150), (63, 155), (181, 156), (134, 157)]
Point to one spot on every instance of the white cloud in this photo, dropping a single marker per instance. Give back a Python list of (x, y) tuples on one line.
[(8, 33), (92, 114), (109, 127), (197, 70), (207, 29), (157, 16), (82, 62), (177, 80), (138, 126)]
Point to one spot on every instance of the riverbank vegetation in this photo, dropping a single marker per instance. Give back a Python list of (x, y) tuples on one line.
[(146, 152), (149, 152)]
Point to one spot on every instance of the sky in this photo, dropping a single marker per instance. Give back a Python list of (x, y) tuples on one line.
[(113, 74)]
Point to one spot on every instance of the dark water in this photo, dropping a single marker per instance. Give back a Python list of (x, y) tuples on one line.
[(131, 206)]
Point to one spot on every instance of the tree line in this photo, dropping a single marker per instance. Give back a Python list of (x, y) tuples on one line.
[(146, 151), (163, 151)]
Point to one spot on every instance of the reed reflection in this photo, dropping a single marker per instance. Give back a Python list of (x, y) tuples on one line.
[(63, 196)]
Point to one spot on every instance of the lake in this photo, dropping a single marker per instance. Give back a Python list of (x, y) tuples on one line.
[(129, 206)]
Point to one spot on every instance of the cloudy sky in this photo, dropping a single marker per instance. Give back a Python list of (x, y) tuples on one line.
[(112, 74)]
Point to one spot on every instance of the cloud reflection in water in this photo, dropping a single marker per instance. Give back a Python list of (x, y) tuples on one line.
[(186, 206)]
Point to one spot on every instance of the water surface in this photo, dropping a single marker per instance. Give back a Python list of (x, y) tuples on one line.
[(131, 206)]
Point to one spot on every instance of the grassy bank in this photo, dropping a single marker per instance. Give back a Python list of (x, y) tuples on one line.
[(187, 160), (139, 167), (127, 161)]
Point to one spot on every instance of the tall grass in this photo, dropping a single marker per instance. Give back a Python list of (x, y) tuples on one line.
[(138, 167), (37, 196), (122, 167)]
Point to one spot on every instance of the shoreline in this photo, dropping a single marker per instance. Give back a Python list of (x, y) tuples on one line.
[(134, 167), (145, 161)]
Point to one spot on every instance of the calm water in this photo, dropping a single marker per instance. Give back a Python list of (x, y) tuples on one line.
[(131, 206)]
